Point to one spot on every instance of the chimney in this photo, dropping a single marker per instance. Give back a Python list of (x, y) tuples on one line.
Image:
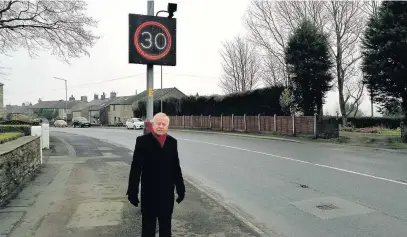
[(103, 96), (71, 98), (95, 96), (39, 100), (112, 94), (84, 99)]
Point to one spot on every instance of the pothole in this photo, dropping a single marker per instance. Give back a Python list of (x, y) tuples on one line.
[(304, 186), (327, 207)]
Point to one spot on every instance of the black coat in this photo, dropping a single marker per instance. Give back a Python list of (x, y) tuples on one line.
[(160, 172)]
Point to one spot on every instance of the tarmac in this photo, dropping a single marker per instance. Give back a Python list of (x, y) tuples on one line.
[(81, 189)]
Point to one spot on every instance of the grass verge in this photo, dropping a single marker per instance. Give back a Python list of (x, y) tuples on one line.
[(9, 136), (386, 140)]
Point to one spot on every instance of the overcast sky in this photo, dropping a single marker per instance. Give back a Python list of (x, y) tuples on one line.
[(201, 28)]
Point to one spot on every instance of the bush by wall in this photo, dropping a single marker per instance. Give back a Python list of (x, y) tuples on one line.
[(365, 122), (24, 129), (264, 101)]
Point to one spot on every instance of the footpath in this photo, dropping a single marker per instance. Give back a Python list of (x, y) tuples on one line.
[(81, 192)]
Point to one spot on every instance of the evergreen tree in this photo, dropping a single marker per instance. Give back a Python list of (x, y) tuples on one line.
[(309, 63), (384, 48)]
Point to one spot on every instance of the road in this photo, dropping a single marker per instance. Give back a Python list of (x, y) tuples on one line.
[(80, 192), (293, 189)]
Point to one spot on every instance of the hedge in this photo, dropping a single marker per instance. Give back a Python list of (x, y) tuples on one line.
[(365, 122), (264, 101), (24, 129), (19, 122)]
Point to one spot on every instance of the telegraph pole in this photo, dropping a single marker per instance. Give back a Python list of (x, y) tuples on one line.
[(150, 73)]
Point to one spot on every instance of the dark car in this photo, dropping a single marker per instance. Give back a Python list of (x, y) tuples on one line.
[(80, 122)]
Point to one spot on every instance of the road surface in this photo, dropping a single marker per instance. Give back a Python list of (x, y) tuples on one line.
[(293, 189), (80, 192)]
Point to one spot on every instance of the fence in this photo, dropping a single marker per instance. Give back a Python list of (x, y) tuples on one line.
[(284, 125)]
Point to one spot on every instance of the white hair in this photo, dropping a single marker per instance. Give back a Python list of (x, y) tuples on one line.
[(160, 114)]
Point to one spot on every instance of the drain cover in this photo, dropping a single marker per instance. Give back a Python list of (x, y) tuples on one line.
[(327, 207)]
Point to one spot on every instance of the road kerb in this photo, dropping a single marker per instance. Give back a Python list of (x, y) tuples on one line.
[(215, 197)]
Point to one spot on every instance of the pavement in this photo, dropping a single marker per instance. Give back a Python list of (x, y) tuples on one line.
[(81, 192), (291, 189)]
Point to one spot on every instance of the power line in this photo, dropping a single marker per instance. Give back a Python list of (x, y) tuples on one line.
[(120, 78)]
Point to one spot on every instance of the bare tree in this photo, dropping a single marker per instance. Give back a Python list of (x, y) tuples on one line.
[(272, 73), (271, 22), (371, 7), (241, 66), (59, 26), (346, 23), (353, 97)]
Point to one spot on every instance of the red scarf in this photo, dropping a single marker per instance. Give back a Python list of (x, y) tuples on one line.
[(160, 139)]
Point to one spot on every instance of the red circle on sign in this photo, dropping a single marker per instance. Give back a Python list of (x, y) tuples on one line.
[(141, 51)]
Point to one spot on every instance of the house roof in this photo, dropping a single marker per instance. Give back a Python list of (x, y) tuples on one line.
[(56, 104), (16, 109), (104, 103), (124, 100), (157, 94), (129, 100), (84, 106)]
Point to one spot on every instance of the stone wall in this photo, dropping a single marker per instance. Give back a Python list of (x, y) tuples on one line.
[(20, 160)]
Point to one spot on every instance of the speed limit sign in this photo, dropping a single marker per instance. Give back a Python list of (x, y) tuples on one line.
[(152, 40)]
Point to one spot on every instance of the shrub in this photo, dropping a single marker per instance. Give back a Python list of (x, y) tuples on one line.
[(19, 122), (24, 129), (348, 129), (367, 130)]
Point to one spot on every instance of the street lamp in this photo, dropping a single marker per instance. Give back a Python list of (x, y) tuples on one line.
[(66, 95), (171, 8)]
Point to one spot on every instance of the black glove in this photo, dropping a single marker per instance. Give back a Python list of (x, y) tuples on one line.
[(133, 199), (180, 198)]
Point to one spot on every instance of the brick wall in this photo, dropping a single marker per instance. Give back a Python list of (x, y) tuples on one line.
[(285, 125)]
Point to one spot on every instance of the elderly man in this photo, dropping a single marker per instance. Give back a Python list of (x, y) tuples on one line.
[(156, 160)]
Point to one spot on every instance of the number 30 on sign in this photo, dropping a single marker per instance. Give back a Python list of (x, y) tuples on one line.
[(152, 40)]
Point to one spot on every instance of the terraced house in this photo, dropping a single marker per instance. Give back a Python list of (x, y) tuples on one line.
[(85, 110), (120, 109), (11, 110), (58, 106)]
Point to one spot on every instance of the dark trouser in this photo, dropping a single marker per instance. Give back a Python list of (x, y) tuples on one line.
[(149, 224)]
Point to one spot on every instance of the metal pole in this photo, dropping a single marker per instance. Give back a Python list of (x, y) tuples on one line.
[(161, 88), (150, 73), (66, 100)]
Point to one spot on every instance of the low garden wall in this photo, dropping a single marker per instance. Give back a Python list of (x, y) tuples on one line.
[(20, 160)]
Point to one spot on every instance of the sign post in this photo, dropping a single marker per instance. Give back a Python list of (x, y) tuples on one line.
[(150, 67), (152, 41)]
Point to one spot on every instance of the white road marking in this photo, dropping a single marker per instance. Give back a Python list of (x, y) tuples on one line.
[(300, 161)]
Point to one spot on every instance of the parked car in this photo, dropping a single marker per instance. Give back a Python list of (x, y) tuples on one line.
[(80, 122), (135, 123), (60, 123)]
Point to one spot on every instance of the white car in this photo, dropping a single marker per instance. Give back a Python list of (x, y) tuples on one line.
[(135, 123), (60, 123)]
